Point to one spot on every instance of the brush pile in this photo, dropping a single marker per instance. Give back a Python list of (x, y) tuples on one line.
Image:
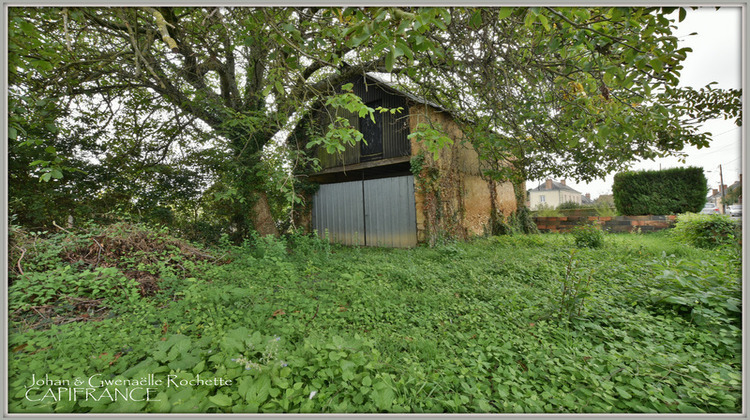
[(74, 276)]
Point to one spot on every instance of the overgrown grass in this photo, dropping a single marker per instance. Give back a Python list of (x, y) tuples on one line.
[(523, 323)]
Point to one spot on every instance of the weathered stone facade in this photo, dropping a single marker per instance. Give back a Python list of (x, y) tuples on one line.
[(452, 196)]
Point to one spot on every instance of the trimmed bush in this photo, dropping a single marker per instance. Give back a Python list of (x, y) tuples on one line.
[(569, 205), (707, 230), (545, 210), (670, 191)]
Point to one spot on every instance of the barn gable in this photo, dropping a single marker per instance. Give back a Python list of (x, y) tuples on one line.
[(386, 138), (389, 192)]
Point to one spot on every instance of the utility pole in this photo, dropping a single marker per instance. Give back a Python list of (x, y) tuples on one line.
[(723, 204)]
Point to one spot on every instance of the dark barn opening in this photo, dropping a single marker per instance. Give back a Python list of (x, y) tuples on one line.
[(372, 146)]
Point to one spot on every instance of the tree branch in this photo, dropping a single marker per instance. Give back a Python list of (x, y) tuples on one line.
[(586, 28)]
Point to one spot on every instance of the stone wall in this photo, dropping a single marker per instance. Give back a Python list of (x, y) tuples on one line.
[(452, 197), (611, 224)]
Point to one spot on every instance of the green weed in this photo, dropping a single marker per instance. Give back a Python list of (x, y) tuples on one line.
[(298, 325)]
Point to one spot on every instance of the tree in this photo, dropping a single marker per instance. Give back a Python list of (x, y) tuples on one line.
[(568, 92), (234, 76), (199, 96)]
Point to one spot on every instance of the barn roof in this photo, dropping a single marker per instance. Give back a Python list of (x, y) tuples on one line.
[(400, 90)]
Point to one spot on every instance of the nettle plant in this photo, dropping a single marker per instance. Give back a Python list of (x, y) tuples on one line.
[(574, 289), (707, 231)]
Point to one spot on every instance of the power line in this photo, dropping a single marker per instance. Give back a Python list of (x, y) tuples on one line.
[(735, 160), (720, 149), (728, 131)]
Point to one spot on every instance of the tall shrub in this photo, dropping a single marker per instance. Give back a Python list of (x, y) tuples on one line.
[(707, 230), (669, 191)]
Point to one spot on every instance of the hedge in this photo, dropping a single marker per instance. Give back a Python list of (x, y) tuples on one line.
[(669, 191)]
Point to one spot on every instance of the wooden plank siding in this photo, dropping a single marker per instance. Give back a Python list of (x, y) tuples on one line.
[(395, 127)]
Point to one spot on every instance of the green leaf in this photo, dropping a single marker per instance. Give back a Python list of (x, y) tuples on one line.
[(382, 396), (405, 50), (28, 28), (56, 173), (403, 26), (161, 403), (504, 12), (623, 392), (220, 400), (379, 47), (687, 408), (359, 39), (476, 19), (445, 15), (287, 27), (389, 59), (45, 177), (258, 390), (683, 14), (545, 22), (397, 51), (42, 65), (12, 133), (529, 20), (657, 64)]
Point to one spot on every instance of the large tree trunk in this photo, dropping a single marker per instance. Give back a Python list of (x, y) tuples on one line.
[(261, 216)]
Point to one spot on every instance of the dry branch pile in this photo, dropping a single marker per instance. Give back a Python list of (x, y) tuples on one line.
[(138, 253), (131, 249)]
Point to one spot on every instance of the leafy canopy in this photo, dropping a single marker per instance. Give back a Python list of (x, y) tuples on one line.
[(180, 106)]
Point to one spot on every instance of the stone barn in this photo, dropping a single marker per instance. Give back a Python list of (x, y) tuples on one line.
[(389, 191)]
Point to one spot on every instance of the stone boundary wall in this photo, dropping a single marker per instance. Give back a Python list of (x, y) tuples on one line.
[(610, 224)]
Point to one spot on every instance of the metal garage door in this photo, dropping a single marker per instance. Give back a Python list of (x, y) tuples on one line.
[(378, 212), (338, 210)]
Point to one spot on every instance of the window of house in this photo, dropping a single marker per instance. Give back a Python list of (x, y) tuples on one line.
[(541, 198)]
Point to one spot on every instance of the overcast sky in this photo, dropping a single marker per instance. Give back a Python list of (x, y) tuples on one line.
[(716, 57)]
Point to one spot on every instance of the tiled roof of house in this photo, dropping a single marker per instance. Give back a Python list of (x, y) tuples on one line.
[(555, 186)]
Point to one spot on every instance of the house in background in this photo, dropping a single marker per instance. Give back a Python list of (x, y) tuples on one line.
[(552, 194), (716, 195), (715, 198), (387, 191)]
